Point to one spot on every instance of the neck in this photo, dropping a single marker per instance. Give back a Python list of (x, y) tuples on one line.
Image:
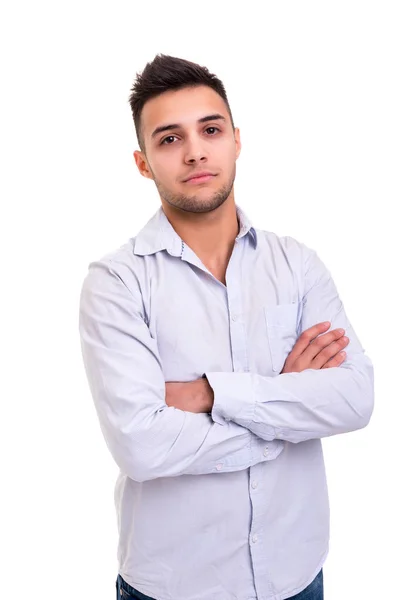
[(211, 235)]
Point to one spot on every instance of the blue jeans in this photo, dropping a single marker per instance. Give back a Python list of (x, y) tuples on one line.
[(314, 591)]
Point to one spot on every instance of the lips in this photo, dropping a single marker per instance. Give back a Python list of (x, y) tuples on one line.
[(199, 177)]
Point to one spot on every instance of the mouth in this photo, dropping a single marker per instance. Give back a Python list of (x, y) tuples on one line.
[(201, 178)]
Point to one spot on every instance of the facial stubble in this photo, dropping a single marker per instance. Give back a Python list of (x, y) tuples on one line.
[(193, 203)]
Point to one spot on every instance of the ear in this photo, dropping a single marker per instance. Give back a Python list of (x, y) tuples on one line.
[(238, 143), (142, 165)]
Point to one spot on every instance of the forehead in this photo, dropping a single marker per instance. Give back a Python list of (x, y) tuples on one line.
[(184, 106)]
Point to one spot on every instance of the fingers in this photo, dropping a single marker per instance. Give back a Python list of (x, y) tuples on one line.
[(336, 361), (324, 347), (305, 338), (329, 352), (317, 348)]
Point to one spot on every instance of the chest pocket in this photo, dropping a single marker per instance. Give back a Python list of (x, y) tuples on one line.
[(282, 325)]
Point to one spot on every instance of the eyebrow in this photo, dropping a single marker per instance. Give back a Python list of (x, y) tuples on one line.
[(162, 128)]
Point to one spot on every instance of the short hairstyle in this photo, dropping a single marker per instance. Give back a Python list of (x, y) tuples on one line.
[(166, 73)]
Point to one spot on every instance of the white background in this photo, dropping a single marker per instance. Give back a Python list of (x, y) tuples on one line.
[(314, 88)]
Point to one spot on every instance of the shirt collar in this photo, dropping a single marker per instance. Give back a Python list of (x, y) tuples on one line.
[(158, 234)]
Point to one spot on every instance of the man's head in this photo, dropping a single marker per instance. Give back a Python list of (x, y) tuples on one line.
[(184, 127)]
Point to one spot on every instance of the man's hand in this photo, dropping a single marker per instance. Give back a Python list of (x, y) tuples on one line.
[(312, 352), (192, 396)]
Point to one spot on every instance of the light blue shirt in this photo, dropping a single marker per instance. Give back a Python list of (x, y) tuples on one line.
[(231, 505)]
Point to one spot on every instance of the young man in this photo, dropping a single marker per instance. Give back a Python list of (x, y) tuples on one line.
[(214, 354)]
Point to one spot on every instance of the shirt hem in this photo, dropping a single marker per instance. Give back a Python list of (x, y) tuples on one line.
[(279, 596), (298, 590)]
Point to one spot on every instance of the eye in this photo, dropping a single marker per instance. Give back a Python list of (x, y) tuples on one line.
[(214, 129), (165, 142)]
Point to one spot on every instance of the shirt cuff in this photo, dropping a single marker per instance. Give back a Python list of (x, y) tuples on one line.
[(233, 397)]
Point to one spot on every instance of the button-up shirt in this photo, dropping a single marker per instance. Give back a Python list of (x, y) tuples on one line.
[(231, 505)]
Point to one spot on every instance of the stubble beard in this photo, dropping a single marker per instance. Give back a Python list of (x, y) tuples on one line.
[(193, 203)]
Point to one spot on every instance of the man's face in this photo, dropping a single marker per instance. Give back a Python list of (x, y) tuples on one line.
[(187, 132)]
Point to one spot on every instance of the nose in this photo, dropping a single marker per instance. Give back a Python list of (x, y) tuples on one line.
[(194, 151)]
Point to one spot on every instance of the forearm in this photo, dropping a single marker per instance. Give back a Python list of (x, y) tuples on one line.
[(297, 406), (149, 439)]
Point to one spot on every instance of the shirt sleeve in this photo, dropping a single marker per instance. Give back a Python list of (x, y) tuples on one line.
[(313, 403), (147, 438)]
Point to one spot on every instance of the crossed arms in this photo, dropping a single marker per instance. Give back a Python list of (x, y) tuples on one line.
[(149, 438)]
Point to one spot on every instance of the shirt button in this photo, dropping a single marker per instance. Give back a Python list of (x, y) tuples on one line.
[(254, 485), (254, 538), (266, 451), (235, 317), (219, 467)]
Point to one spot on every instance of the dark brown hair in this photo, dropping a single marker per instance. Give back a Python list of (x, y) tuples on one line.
[(167, 73)]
